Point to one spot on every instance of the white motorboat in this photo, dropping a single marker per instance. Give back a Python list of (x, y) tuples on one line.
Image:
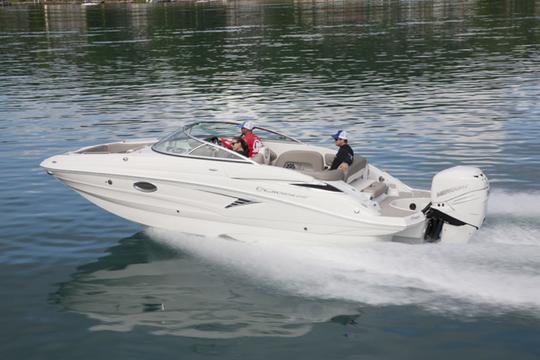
[(189, 182)]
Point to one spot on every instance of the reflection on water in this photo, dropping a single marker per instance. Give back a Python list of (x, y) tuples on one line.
[(145, 284)]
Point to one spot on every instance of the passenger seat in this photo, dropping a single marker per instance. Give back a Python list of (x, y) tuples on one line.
[(301, 160), (265, 156)]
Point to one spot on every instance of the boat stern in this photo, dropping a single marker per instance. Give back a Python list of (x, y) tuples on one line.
[(458, 204)]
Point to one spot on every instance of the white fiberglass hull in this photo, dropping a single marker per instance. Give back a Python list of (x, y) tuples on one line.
[(217, 211)]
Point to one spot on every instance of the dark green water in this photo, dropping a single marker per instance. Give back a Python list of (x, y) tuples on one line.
[(419, 86)]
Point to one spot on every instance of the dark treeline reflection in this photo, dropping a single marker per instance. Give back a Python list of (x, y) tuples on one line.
[(392, 38)]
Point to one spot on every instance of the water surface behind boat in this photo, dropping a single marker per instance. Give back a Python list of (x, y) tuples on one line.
[(419, 86)]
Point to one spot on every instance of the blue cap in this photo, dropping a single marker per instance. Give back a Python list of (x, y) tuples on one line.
[(341, 134)]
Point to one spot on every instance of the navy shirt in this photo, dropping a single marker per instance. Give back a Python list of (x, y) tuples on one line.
[(344, 154)]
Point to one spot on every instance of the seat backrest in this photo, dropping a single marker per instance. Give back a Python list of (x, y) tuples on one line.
[(264, 156), (273, 156), (301, 160), (329, 159), (355, 170), (258, 158)]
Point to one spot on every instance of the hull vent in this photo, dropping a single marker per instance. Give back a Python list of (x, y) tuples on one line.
[(240, 202), (145, 186)]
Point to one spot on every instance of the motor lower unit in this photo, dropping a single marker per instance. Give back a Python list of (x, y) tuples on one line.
[(458, 204)]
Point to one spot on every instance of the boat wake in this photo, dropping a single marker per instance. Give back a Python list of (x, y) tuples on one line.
[(495, 273), (516, 205)]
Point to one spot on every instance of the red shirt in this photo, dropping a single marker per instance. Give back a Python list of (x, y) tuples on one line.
[(254, 143)]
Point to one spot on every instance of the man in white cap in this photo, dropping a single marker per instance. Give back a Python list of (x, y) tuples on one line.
[(345, 154), (253, 141)]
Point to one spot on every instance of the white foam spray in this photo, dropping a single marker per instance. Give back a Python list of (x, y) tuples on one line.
[(514, 204), (498, 271)]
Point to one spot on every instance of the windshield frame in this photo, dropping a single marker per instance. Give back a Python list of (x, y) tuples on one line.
[(238, 158)]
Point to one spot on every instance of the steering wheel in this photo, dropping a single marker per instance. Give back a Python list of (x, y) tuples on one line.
[(213, 140)]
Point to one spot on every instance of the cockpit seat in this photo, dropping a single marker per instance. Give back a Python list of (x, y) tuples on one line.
[(265, 156), (301, 160), (356, 170)]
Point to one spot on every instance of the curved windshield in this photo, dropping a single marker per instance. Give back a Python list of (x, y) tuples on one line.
[(203, 139), (178, 143)]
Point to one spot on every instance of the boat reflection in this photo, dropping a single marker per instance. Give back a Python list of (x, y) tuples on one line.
[(141, 283)]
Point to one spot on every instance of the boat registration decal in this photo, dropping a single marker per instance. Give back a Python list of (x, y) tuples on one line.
[(451, 190), (276, 192)]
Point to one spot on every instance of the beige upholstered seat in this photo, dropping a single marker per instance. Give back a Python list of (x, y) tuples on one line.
[(265, 156), (355, 170), (313, 163), (259, 158), (301, 160), (329, 159)]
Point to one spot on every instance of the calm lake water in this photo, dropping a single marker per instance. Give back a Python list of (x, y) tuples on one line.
[(419, 85)]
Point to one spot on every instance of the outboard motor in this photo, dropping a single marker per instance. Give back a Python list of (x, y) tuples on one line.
[(458, 204)]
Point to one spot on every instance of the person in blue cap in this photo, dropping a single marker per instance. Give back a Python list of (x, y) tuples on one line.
[(345, 154)]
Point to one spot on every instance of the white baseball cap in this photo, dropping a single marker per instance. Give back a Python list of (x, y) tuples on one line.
[(247, 125), (341, 134)]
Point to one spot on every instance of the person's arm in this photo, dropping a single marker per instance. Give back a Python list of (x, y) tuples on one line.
[(339, 159), (226, 142)]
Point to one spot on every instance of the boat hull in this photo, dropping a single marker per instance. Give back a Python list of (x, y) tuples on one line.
[(197, 207)]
